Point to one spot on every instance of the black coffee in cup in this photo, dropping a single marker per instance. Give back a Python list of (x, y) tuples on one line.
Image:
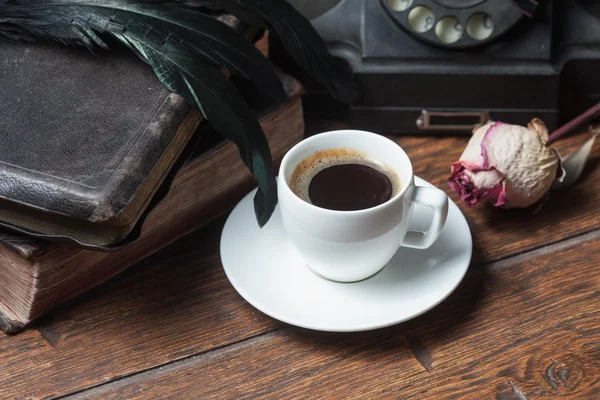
[(343, 179)]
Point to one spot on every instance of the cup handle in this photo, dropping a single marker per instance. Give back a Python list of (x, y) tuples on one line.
[(436, 200)]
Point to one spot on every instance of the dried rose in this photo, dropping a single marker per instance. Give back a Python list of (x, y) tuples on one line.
[(507, 165)]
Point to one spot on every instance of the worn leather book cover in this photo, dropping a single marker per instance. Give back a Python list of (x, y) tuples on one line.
[(37, 275), (86, 140)]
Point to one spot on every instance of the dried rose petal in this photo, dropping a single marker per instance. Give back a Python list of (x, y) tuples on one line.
[(507, 165)]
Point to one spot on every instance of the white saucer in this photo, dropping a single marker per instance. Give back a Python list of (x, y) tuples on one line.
[(268, 272)]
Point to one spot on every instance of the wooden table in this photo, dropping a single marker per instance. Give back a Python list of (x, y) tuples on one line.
[(524, 324)]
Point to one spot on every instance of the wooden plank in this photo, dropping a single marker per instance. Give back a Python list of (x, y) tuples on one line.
[(178, 303), (526, 330), (171, 305)]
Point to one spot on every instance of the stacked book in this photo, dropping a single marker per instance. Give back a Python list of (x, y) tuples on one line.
[(100, 166)]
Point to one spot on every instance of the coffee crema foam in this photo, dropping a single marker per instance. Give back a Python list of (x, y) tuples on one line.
[(306, 170)]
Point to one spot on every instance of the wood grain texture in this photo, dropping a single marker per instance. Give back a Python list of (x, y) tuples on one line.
[(172, 305), (504, 325), (526, 330)]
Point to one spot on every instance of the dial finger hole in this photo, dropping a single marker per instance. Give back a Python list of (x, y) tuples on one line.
[(449, 30), (421, 19), (400, 5), (480, 26)]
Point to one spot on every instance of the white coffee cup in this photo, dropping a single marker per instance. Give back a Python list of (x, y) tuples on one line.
[(348, 246)]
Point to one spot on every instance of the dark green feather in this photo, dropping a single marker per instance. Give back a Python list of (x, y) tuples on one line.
[(222, 104), (186, 47), (208, 39), (298, 37), (186, 50)]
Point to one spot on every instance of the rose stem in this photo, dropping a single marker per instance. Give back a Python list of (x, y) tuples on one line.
[(575, 122)]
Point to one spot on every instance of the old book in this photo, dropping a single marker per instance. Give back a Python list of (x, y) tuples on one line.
[(86, 140), (35, 276)]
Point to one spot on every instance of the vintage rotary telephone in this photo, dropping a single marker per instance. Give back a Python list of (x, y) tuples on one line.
[(447, 65)]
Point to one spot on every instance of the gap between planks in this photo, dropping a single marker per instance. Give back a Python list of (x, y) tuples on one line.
[(542, 251), (200, 358), (166, 368)]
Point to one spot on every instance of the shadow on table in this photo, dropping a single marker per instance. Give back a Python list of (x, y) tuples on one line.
[(446, 322)]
